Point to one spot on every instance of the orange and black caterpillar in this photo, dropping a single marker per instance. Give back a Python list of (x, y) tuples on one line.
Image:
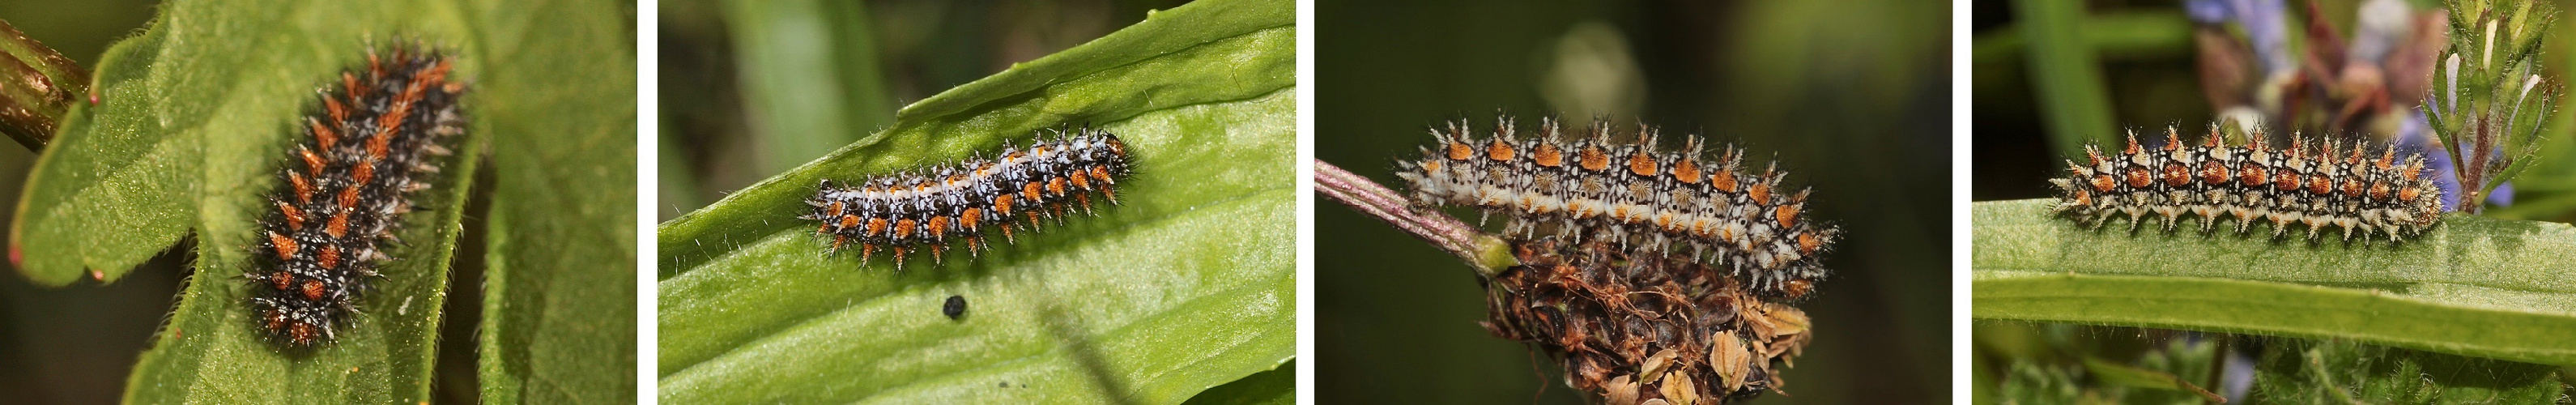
[(1590, 187), (2317, 185), (923, 210), (348, 183)]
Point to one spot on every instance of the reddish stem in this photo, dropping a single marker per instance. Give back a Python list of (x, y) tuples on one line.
[(1487, 253)]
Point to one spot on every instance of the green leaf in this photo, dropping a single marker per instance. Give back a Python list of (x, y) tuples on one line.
[(558, 322), (2175, 372), (2117, 35), (1275, 387), (2473, 286), (2153, 379), (1229, 51), (195, 116), (199, 109), (2031, 383), (1187, 284), (111, 166), (2312, 372)]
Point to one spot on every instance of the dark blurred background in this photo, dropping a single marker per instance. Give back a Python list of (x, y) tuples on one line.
[(1852, 96), (2013, 155), (750, 89)]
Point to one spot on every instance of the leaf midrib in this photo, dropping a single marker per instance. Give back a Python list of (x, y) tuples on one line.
[(2445, 250)]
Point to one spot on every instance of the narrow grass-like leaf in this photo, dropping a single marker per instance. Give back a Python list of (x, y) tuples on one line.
[(2120, 35), (2139, 377), (2473, 286), (1187, 284), (809, 75), (678, 186), (2074, 102), (558, 322)]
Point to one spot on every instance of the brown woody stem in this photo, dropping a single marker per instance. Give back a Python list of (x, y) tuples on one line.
[(1486, 253), (37, 86)]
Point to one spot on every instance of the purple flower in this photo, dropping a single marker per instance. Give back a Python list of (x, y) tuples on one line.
[(2415, 136), (2382, 26), (2265, 24)]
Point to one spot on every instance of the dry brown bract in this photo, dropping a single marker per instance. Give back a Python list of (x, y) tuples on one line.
[(1643, 329)]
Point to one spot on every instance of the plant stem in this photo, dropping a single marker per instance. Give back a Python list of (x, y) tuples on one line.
[(1486, 253), (37, 86)]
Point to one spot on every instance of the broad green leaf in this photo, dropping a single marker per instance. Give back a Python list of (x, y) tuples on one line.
[(1227, 51), (558, 322), (2473, 286), (113, 166), (195, 116), (1187, 284)]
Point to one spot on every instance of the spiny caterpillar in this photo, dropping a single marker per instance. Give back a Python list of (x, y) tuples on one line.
[(2319, 187), (922, 210), (347, 185), (1631, 194)]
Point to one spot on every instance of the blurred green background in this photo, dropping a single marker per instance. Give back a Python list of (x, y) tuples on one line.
[(749, 89), (1852, 96)]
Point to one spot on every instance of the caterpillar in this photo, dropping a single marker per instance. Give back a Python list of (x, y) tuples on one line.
[(1632, 194), (2316, 185), (925, 209), (347, 185)]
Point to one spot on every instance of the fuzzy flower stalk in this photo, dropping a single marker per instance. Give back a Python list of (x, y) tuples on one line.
[(2489, 101)]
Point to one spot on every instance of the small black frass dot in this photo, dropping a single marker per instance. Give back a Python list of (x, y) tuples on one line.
[(956, 307)]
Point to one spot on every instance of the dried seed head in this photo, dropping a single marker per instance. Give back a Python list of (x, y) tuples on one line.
[(1643, 328)]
